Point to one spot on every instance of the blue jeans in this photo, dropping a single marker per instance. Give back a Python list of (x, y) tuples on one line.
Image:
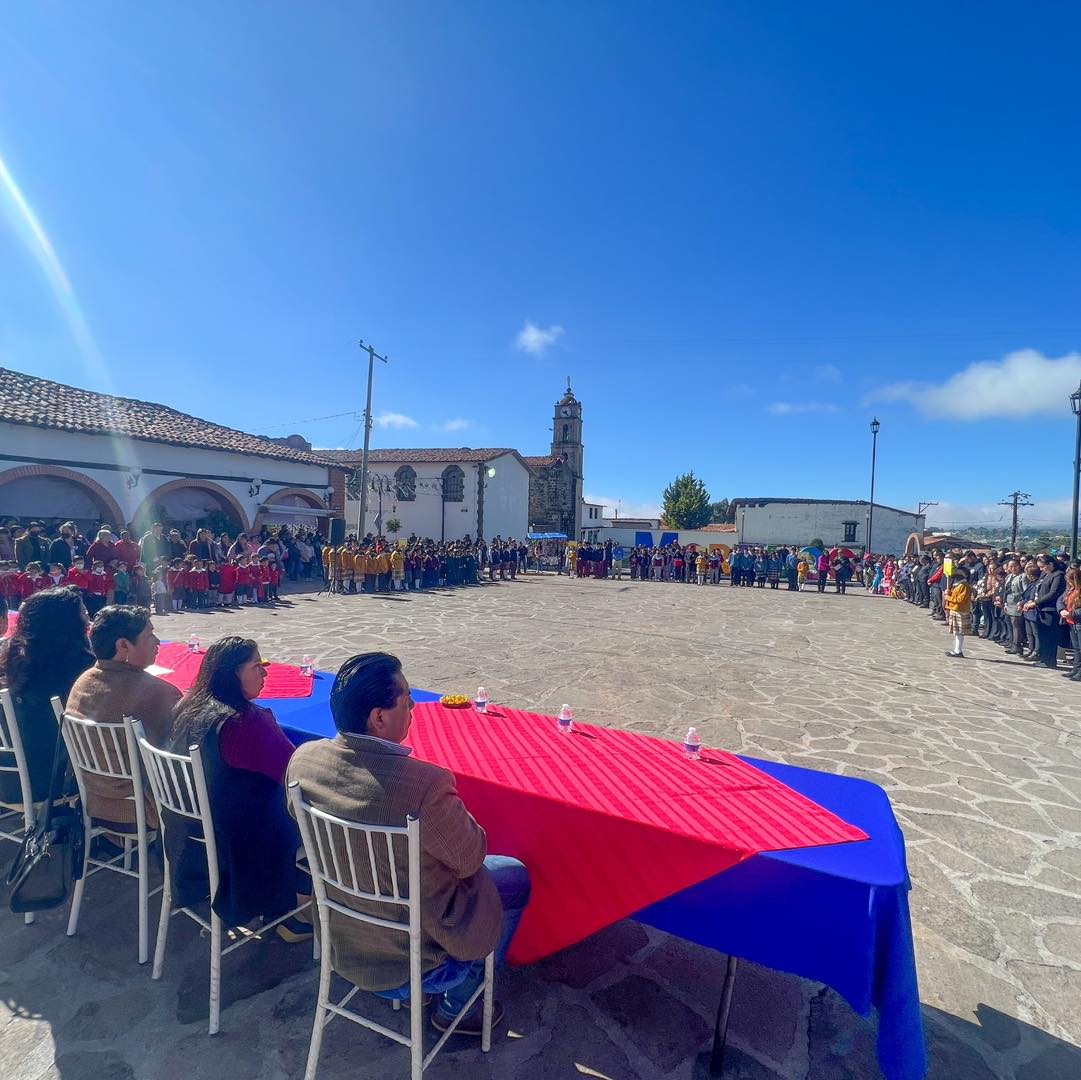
[(512, 882)]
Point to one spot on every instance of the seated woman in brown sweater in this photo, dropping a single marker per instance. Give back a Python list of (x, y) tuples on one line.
[(117, 686)]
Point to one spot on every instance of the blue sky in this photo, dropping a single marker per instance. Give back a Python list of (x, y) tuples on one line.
[(743, 229)]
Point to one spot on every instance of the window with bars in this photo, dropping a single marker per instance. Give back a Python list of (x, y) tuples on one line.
[(453, 484), (850, 531), (405, 484)]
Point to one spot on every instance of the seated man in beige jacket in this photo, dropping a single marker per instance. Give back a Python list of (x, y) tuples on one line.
[(116, 687), (472, 902)]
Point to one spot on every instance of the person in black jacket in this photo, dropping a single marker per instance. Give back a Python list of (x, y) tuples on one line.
[(44, 656), (1049, 588)]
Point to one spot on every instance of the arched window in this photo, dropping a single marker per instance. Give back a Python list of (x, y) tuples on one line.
[(566, 432), (453, 484), (405, 484)]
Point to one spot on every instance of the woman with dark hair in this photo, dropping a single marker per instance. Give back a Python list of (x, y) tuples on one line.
[(245, 754), (1069, 607), (1050, 586), (44, 656)]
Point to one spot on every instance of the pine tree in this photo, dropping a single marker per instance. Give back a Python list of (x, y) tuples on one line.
[(686, 503), (719, 512)]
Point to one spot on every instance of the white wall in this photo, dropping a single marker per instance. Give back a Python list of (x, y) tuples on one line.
[(506, 501), (71, 449), (799, 523), (684, 536)]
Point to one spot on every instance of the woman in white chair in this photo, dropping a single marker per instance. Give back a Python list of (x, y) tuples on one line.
[(245, 755), (118, 686), (41, 659)]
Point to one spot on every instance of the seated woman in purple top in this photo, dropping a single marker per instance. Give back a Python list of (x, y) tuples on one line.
[(244, 754)]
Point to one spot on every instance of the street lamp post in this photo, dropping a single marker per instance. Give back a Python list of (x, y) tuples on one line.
[(875, 425), (1075, 404)]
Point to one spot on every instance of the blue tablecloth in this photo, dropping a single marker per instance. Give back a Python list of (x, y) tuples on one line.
[(837, 914)]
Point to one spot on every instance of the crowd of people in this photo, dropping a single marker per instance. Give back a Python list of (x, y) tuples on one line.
[(745, 566), (166, 571), (472, 901), (1028, 604), (376, 564)]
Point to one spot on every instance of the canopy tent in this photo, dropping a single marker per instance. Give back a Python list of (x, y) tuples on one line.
[(546, 536)]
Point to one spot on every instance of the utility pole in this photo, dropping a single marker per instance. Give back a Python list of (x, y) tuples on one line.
[(1015, 500), (372, 357), (924, 505)]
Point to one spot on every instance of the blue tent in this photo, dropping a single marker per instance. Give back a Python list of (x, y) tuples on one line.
[(547, 536)]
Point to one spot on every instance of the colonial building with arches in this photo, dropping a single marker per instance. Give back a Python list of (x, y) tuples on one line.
[(72, 454)]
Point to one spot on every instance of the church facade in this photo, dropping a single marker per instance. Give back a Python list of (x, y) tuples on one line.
[(449, 493), (557, 478)]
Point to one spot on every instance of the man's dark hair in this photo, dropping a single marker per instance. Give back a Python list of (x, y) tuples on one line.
[(364, 682), (114, 622)]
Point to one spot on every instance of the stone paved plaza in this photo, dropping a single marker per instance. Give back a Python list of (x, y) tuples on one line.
[(982, 759)]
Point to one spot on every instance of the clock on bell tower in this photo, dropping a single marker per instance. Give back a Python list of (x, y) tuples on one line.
[(567, 430)]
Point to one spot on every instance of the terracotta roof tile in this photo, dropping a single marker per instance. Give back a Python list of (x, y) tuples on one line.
[(437, 454), (26, 399), (542, 460)]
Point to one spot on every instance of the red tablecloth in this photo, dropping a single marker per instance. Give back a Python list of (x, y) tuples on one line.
[(282, 680), (609, 821)]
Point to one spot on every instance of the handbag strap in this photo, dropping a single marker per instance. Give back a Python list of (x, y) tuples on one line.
[(54, 786)]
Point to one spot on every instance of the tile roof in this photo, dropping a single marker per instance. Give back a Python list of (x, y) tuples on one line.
[(26, 399), (542, 460), (715, 527), (436, 455)]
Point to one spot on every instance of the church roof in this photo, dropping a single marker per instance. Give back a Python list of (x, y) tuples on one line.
[(542, 461)]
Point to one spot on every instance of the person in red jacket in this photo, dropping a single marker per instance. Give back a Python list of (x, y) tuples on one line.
[(227, 574), (176, 577), (244, 580), (79, 576), (199, 585), (98, 587), (260, 575), (275, 572)]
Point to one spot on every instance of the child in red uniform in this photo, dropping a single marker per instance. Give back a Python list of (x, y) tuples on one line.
[(260, 574), (56, 575), (176, 578), (275, 571), (78, 575), (227, 583), (244, 580), (198, 586), (98, 586)]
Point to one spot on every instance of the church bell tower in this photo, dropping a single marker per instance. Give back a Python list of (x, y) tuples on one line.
[(567, 431)]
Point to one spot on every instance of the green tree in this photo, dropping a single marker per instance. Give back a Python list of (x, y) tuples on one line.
[(686, 503), (719, 512), (393, 526)]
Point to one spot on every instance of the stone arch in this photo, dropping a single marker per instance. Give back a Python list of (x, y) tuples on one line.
[(145, 509), (914, 544), (109, 508), (318, 506)]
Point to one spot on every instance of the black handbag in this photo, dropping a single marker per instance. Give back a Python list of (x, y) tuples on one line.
[(50, 856)]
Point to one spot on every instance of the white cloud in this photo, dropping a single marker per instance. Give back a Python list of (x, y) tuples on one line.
[(537, 340), (739, 390), (1022, 383), (949, 515), (829, 372), (395, 420), (625, 508), (457, 424), (785, 408)]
